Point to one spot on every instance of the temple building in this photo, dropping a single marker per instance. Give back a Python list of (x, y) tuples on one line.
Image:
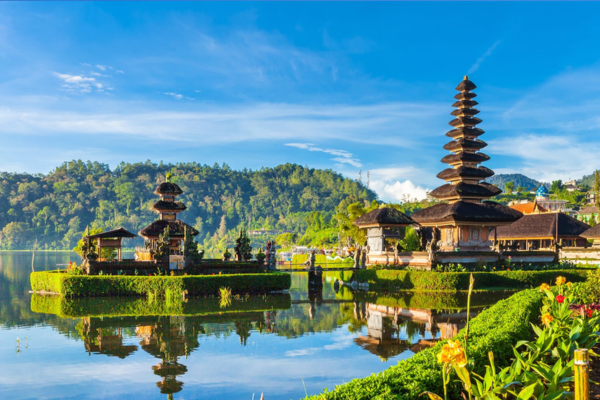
[(542, 197), (542, 231), (465, 220), (593, 234), (588, 214), (383, 224), (527, 207), (167, 208)]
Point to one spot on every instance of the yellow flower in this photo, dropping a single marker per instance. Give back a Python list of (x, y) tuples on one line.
[(561, 280), (569, 284), (544, 286), (547, 319), (452, 352)]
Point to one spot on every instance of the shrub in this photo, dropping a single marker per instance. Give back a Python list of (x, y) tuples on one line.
[(394, 280), (158, 286), (497, 328)]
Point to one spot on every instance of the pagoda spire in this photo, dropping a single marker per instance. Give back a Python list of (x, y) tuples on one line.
[(465, 174)]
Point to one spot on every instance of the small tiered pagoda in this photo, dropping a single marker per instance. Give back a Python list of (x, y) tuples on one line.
[(168, 208), (465, 220)]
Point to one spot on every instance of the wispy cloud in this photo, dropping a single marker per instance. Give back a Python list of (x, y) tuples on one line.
[(485, 55), (342, 156), (78, 83), (101, 67), (178, 96)]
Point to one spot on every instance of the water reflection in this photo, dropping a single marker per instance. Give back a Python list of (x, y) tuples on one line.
[(275, 344)]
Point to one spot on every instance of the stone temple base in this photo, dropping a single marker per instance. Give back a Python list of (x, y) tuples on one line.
[(426, 260)]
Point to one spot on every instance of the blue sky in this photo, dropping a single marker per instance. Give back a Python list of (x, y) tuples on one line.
[(347, 86)]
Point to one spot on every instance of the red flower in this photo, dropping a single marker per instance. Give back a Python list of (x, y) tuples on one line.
[(589, 312), (560, 298), (149, 274), (508, 269)]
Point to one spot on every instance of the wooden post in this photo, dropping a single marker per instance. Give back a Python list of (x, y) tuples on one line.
[(581, 369)]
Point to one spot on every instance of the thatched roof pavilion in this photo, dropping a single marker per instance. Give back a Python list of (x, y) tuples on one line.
[(383, 217), (592, 233), (543, 230), (381, 224), (465, 219)]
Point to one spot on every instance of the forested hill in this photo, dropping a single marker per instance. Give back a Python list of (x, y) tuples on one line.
[(519, 180), (55, 209)]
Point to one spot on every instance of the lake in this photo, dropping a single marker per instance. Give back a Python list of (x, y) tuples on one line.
[(285, 346)]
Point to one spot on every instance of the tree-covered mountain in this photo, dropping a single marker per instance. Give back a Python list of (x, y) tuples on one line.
[(55, 209), (519, 180)]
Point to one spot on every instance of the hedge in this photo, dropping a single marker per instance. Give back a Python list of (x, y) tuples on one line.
[(496, 329), (394, 280), (69, 285), (136, 307), (438, 301)]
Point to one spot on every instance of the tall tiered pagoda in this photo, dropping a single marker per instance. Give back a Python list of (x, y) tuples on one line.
[(168, 208), (465, 220)]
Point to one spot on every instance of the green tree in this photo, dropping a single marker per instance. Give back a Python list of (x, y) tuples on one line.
[(556, 186), (509, 187), (597, 190)]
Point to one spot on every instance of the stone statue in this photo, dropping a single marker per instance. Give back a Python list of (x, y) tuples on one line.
[(271, 255), (268, 253), (363, 257), (311, 260), (357, 257)]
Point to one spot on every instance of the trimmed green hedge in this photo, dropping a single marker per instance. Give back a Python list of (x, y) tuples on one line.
[(394, 280), (118, 285), (438, 301), (136, 307), (497, 329)]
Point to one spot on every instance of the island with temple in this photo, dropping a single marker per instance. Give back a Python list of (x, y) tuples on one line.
[(170, 262)]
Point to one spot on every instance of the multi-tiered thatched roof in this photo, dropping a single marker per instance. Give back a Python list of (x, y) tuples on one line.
[(168, 209), (465, 190)]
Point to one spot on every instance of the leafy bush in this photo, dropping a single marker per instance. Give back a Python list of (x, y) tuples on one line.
[(393, 280), (505, 265), (497, 328), (157, 286)]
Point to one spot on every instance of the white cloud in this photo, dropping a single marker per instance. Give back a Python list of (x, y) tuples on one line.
[(396, 184), (342, 156), (547, 158), (485, 55), (405, 191), (78, 83), (178, 96), (101, 67), (175, 95)]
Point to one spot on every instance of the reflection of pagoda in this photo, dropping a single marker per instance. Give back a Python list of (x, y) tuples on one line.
[(167, 209), (384, 324), (463, 219), (168, 339)]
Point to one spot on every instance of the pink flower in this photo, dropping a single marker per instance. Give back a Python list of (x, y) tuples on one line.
[(560, 298)]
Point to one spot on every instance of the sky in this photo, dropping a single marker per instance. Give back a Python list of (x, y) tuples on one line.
[(344, 86)]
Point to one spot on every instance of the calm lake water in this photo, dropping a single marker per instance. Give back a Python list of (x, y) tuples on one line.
[(284, 346)]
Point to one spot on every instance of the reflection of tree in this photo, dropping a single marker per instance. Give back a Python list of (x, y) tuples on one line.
[(15, 309), (243, 328)]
